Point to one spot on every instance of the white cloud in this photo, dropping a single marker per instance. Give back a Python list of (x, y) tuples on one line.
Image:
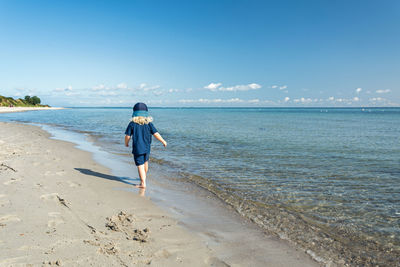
[(269, 102), (250, 86), (343, 100), (99, 87), (122, 86), (383, 101), (280, 87), (234, 100), (213, 86), (187, 101), (25, 91), (287, 99), (103, 90), (225, 101), (158, 93), (71, 93), (377, 99), (173, 90), (358, 90), (209, 101), (109, 101), (67, 89), (331, 99), (244, 87), (102, 87), (107, 93), (383, 91), (145, 87), (303, 100)]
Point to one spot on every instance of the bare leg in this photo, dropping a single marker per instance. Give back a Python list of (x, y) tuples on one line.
[(142, 175), (146, 166)]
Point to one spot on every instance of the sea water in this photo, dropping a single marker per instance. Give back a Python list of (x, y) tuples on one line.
[(326, 178)]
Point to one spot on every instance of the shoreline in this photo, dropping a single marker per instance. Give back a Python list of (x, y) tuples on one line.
[(23, 109), (53, 213), (100, 201)]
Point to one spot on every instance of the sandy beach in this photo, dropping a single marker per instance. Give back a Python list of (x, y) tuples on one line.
[(58, 206), (21, 109)]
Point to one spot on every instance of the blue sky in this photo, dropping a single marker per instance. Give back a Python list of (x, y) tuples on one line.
[(202, 53)]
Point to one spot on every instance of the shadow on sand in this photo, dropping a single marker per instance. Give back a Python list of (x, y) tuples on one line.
[(121, 179)]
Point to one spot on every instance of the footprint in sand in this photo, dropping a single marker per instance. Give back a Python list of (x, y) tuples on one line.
[(11, 261), (29, 248), (39, 185), (51, 196), (3, 200), (71, 184), (55, 219), (60, 173), (163, 253), (13, 180), (9, 218), (47, 173), (213, 261), (54, 197)]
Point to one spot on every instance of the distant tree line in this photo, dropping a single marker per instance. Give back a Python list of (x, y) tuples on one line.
[(26, 102), (34, 100)]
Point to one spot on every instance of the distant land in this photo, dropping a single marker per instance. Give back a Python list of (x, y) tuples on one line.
[(28, 101)]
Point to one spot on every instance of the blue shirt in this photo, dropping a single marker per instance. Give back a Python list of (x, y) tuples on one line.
[(141, 137)]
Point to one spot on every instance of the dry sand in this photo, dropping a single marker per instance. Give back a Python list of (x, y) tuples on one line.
[(51, 213), (21, 109)]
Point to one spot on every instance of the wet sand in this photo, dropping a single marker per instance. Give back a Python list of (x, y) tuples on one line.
[(51, 212)]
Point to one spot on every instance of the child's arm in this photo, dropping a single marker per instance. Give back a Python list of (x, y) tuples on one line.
[(127, 138), (159, 138)]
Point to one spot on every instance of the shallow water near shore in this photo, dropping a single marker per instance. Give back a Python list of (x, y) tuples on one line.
[(328, 179)]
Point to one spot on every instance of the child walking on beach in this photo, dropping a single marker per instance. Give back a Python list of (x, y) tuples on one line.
[(141, 130)]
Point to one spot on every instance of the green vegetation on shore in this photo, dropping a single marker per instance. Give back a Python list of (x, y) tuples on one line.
[(28, 101)]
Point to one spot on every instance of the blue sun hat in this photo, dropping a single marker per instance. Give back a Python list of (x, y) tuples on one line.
[(140, 109)]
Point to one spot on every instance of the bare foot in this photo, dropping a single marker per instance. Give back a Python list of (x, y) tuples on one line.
[(140, 186), (141, 192)]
